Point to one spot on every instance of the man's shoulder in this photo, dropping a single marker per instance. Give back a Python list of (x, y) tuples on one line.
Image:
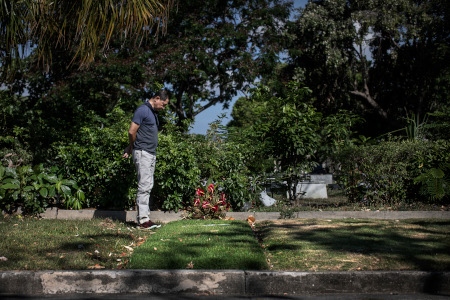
[(142, 109)]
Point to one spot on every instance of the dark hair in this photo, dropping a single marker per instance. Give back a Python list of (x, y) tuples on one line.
[(162, 93)]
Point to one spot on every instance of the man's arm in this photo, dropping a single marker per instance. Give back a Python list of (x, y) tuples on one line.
[(131, 137)]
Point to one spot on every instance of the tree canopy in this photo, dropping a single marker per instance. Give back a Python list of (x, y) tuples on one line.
[(213, 49), (381, 59)]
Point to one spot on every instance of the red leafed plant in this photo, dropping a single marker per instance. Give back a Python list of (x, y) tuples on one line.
[(208, 203)]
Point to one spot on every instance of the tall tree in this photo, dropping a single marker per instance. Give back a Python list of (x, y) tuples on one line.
[(382, 58), (215, 48)]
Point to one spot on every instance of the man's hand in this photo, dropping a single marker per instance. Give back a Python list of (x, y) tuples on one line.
[(127, 152)]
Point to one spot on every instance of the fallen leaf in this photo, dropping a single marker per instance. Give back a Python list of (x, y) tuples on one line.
[(129, 248), (251, 220), (96, 266)]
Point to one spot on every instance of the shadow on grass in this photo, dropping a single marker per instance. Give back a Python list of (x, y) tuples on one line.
[(63, 251), (422, 245), (229, 247)]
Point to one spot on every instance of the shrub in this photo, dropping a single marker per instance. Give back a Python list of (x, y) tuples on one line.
[(34, 189), (223, 162), (94, 159), (176, 173), (209, 203), (434, 166), (387, 173)]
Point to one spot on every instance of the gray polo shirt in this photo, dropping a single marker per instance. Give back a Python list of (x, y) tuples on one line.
[(147, 134)]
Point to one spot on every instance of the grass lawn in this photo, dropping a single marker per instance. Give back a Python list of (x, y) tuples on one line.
[(353, 245), (48, 244), (285, 245), (201, 244)]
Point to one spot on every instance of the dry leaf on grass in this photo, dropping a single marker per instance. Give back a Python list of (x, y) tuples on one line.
[(251, 220), (129, 248), (96, 267)]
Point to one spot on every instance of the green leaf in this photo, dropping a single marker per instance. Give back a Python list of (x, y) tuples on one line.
[(28, 188), (51, 178), (43, 192), (66, 190), (52, 191), (80, 195), (68, 182), (437, 173), (10, 186)]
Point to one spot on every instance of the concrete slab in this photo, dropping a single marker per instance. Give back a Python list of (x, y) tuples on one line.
[(311, 190), (321, 178)]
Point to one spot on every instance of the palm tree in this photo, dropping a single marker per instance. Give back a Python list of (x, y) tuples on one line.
[(79, 26)]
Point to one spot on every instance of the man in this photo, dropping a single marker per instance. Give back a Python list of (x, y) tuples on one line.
[(143, 137)]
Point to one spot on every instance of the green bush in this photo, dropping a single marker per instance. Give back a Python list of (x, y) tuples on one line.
[(434, 167), (185, 162), (386, 173), (94, 160), (224, 163), (34, 189), (177, 172)]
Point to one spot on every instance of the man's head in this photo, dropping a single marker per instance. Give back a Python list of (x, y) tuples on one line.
[(160, 99)]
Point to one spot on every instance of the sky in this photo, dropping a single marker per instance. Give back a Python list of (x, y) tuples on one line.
[(203, 119)]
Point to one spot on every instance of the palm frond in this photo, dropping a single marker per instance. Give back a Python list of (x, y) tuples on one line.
[(82, 26)]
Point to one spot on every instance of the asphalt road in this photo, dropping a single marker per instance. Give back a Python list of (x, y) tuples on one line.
[(224, 297)]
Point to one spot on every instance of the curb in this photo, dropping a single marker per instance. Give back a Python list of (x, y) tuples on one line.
[(222, 282)]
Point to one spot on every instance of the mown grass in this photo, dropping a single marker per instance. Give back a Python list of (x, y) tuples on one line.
[(201, 244), (43, 244), (283, 245), (356, 245)]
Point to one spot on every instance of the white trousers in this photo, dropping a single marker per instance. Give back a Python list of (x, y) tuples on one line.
[(145, 168)]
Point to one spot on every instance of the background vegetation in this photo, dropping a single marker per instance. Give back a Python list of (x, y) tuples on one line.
[(338, 86)]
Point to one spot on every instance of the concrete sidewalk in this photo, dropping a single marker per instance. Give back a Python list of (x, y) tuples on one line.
[(239, 283), (164, 217)]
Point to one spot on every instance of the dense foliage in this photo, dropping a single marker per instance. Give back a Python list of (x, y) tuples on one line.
[(393, 173), (290, 132), (333, 82), (381, 59)]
